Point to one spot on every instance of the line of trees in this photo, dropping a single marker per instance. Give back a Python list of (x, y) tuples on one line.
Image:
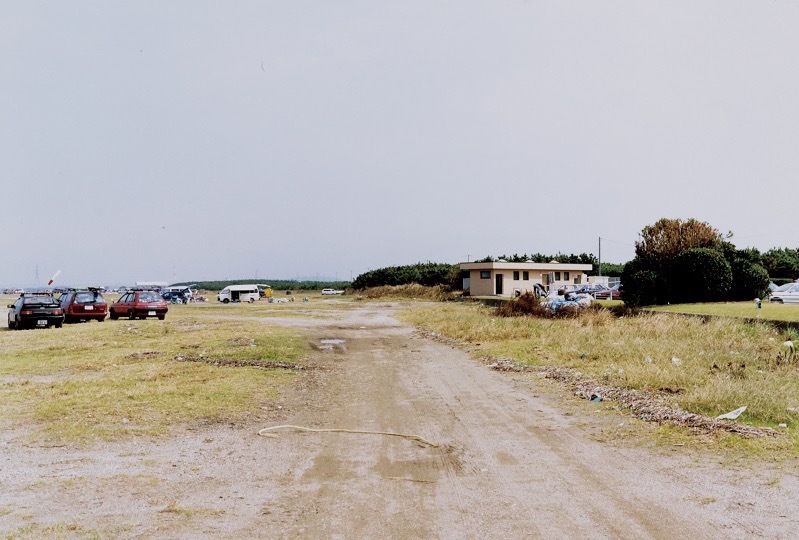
[(428, 274), (782, 264), (608, 269)]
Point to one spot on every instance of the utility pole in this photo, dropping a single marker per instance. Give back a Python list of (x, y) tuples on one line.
[(600, 256)]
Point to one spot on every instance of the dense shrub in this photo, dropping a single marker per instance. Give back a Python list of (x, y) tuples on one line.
[(643, 286), (700, 275), (426, 274), (749, 280)]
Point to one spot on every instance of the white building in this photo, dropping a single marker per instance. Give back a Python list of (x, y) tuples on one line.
[(513, 278)]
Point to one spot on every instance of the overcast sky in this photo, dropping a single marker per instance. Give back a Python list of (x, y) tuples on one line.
[(181, 140)]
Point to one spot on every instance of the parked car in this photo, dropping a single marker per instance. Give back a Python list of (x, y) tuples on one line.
[(614, 293), (331, 291), (84, 305), (591, 288), (139, 304), (35, 310), (786, 294)]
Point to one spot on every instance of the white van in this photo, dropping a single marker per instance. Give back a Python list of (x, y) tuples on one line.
[(238, 293)]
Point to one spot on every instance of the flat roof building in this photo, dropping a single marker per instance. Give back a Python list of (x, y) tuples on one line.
[(515, 278)]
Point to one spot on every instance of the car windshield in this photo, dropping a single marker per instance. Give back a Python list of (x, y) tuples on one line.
[(89, 297), (149, 297), (39, 301)]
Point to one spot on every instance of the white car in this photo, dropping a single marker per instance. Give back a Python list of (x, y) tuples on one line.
[(786, 294), (331, 291)]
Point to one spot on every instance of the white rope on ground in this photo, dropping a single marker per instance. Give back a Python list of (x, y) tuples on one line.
[(263, 433)]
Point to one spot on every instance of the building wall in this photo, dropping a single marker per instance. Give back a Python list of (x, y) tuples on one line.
[(479, 286), (486, 287)]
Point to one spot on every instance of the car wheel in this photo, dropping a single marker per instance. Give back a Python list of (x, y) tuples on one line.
[(226, 300), (777, 300), (113, 315), (57, 325), (132, 315), (11, 325), (161, 317), (100, 319), (251, 300)]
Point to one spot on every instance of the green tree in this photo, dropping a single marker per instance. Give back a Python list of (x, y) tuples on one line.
[(701, 275)]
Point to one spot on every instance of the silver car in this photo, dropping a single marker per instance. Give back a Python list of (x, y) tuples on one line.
[(786, 294)]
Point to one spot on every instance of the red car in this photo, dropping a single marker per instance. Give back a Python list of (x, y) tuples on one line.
[(83, 305), (139, 304), (614, 293)]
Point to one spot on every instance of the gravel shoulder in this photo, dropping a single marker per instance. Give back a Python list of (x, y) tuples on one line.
[(512, 460)]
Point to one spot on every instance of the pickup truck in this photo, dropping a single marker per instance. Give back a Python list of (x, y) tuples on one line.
[(331, 291)]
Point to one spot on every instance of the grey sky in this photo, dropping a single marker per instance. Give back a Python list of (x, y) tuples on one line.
[(194, 140)]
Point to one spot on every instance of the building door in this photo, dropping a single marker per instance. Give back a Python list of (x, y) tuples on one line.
[(499, 284)]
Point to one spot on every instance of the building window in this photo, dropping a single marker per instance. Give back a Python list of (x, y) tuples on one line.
[(485, 274), (515, 275), (557, 276), (565, 276), (525, 275)]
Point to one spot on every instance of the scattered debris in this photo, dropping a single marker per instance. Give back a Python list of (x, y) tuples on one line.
[(644, 404), (263, 364), (676, 361), (732, 415)]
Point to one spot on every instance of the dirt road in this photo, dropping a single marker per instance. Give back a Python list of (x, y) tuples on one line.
[(511, 461)]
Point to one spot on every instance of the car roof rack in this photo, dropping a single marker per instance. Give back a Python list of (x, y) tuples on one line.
[(93, 289)]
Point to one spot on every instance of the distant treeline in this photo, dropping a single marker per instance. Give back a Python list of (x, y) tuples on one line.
[(608, 269), (427, 274), (276, 284), (782, 264)]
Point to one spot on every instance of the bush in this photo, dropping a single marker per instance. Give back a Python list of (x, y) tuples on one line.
[(701, 275), (643, 286), (749, 280)]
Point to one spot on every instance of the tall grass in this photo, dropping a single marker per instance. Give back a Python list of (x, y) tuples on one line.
[(707, 367)]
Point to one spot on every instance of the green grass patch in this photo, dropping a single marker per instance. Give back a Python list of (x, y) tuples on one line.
[(705, 366), (101, 381), (768, 311)]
